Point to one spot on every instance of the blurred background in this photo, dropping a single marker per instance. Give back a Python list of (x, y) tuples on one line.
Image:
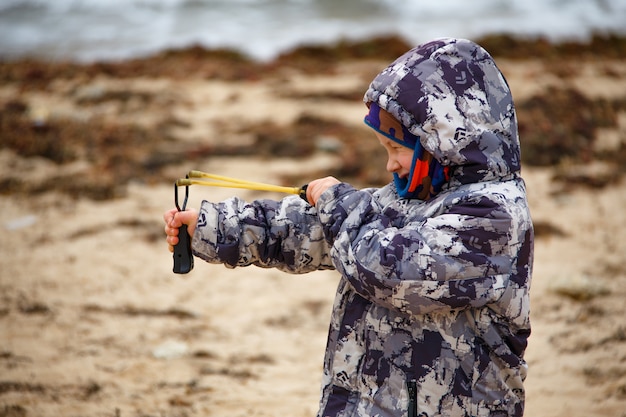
[(88, 30), (104, 103)]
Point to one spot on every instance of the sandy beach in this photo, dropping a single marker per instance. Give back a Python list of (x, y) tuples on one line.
[(93, 322)]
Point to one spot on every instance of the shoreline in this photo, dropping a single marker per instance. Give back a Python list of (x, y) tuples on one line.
[(383, 46), (129, 113)]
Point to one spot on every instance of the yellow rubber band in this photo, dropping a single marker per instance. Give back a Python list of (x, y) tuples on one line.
[(227, 182)]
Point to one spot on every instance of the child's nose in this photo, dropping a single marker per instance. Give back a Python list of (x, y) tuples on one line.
[(392, 165)]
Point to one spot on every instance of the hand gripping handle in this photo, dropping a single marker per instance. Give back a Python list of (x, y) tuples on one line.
[(183, 258)]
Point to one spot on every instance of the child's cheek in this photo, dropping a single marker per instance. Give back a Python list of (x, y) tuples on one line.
[(406, 160)]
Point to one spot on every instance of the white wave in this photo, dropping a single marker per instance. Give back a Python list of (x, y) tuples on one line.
[(89, 30)]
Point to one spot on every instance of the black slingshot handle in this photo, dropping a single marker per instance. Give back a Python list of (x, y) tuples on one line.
[(183, 258)]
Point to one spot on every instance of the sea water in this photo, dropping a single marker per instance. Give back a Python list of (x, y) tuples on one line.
[(90, 30)]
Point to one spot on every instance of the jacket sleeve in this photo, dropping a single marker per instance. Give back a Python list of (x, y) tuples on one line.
[(465, 256), (284, 234)]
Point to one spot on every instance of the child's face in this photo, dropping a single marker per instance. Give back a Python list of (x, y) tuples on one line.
[(399, 158)]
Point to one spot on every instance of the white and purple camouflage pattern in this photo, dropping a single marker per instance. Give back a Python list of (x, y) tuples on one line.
[(431, 316)]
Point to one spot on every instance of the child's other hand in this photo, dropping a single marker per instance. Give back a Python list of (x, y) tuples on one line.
[(317, 187), (175, 219)]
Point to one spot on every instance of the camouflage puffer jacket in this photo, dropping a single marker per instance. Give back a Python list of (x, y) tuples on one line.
[(431, 316)]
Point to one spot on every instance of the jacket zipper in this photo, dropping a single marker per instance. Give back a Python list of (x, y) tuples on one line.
[(412, 391)]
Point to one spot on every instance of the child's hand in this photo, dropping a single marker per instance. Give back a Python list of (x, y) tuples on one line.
[(317, 187), (175, 219)]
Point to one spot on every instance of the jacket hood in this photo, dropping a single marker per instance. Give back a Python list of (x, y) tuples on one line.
[(451, 94)]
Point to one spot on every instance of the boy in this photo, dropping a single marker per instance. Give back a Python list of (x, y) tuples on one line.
[(431, 316)]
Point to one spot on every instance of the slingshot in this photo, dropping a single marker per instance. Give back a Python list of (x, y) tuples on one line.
[(183, 258), (228, 182)]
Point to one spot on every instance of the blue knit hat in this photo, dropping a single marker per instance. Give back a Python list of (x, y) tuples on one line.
[(427, 175)]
